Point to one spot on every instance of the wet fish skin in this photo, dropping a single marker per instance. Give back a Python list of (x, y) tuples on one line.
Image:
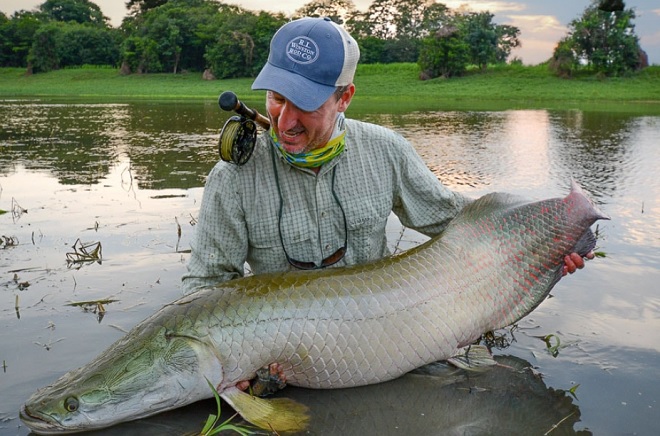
[(496, 261)]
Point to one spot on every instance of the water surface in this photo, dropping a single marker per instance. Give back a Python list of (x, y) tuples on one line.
[(130, 176)]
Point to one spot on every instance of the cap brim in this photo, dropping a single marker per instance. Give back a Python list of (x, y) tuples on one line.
[(304, 93)]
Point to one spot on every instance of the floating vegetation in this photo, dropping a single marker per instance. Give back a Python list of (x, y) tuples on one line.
[(598, 235), (212, 427), (16, 210), (160, 197), (8, 241), (573, 390), (96, 307), (47, 346), (499, 339), (178, 234), (95, 227), (84, 253), (553, 348)]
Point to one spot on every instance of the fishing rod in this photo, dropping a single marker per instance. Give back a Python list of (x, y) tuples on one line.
[(239, 134)]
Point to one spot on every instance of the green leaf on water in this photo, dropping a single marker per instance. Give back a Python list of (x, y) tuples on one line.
[(553, 349), (573, 389), (212, 427), (210, 421)]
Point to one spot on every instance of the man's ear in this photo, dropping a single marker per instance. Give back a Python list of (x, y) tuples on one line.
[(346, 97)]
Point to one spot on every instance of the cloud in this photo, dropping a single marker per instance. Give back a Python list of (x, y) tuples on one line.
[(492, 6), (546, 24), (539, 35), (650, 40)]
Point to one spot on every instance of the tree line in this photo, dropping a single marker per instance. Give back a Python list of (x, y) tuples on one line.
[(228, 41)]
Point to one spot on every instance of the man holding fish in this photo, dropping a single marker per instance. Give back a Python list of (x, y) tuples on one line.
[(317, 193), (319, 188)]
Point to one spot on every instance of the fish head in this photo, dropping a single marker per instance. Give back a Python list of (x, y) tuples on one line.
[(140, 375)]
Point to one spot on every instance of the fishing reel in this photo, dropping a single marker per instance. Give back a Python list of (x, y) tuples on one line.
[(237, 139), (238, 136)]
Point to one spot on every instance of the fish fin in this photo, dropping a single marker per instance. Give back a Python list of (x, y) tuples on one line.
[(276, 414), (586, 243), (495, 201), (473, 358)]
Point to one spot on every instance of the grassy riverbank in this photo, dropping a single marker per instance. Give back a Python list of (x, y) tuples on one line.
[(386, 85)]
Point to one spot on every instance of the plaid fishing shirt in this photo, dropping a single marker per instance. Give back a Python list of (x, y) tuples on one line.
[(244, 217)]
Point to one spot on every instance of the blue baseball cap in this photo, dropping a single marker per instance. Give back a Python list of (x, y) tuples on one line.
[(309, 58)]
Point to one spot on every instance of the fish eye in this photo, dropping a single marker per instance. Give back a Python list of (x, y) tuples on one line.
[(71, 404)]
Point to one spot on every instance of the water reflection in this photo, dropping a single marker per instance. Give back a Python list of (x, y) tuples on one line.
[(126, 174), (594, 147), (434, 400), (169, 145)]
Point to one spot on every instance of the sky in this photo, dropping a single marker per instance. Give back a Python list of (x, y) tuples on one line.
[(542, 23)]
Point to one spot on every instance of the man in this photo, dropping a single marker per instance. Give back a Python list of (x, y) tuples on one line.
[(319, 188)]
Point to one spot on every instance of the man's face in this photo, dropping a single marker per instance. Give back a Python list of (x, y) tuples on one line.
[(299, 131)]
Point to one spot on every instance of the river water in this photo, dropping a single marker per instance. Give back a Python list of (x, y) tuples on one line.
[(127, 179)]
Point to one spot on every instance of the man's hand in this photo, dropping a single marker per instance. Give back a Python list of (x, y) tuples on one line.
[(574, 262)]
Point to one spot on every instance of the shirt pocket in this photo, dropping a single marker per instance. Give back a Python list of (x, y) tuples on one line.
[(367, 218), (266, 250)]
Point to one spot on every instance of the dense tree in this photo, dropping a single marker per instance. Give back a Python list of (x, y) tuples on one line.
[(241, 44), (56, 45), (140, 55), (392, 19), (173, 32), (489, 42), (79, 11), (602, 40), (16, 37), (611, 5), (195, 35), (391, 30), (141, 6), (44, 53), (338, 10), (88, 45), (445, 53), (463, 39)]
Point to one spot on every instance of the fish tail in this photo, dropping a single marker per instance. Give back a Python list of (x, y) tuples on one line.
[(579, 197)]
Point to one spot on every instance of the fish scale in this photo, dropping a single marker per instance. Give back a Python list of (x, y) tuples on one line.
[(334, 328)]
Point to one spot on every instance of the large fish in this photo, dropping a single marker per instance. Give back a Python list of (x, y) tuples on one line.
[(335, 328)]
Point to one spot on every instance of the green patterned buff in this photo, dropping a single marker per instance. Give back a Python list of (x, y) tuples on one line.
[(314, 158)]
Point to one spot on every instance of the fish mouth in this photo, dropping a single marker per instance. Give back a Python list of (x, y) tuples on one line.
[(41, 423)]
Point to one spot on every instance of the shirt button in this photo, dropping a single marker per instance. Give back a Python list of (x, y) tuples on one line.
[(327, 247), (323, 214)]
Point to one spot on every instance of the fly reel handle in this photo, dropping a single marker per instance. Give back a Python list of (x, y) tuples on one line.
[(228, 101)]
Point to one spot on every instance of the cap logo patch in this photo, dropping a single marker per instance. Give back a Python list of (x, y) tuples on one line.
[(302, 50)]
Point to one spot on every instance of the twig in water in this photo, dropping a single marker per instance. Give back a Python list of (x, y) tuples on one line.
[(398, 241), (555, 426), (178, 234), (16, 210), (89, 252)]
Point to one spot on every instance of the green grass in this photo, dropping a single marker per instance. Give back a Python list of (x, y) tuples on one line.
[(392, 86)]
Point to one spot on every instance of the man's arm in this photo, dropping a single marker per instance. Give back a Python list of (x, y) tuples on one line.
[(219, 246), (422, 202)]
